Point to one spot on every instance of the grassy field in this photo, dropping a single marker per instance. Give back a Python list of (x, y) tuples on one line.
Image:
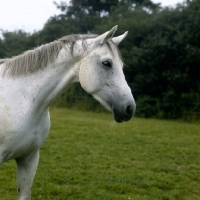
[(88, 156)]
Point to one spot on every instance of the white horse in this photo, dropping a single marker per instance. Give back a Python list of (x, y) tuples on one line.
[(30, 82)]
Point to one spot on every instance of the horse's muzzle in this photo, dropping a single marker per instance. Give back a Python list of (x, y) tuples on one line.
[(125, 114)]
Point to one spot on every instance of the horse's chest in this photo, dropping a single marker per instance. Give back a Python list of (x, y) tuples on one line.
[(23, 135)]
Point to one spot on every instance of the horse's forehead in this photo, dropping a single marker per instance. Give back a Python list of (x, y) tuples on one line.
[(109, 50)]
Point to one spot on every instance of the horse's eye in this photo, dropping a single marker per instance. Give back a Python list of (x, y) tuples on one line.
[(107, 64)]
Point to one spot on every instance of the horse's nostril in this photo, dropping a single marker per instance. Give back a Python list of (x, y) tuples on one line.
[(129, 110)]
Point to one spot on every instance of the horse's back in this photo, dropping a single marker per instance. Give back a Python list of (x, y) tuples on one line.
[(2, 61)]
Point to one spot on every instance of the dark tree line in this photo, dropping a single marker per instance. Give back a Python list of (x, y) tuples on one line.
[(161, 52)]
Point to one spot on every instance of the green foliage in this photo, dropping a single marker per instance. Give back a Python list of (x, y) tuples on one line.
[(2, 52), (161, 52), (86, 156), (13, 43)]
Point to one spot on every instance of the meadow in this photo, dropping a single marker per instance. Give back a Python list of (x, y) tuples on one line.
[(88, 156)]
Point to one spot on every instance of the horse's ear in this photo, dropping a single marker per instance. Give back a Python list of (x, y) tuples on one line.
[(102, 38), (118, 39), (106, 36)]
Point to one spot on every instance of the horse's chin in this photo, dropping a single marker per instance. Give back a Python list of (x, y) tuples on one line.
[(104, 103)]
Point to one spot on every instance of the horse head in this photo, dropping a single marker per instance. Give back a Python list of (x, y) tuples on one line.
[(101, 75)]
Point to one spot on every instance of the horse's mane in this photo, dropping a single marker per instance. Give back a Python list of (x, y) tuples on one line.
[(32, 60)]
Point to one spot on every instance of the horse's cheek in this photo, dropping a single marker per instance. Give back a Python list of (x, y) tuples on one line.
[(88, 76), (84, 78)]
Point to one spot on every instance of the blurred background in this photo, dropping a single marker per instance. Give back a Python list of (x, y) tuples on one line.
[(161, 52)]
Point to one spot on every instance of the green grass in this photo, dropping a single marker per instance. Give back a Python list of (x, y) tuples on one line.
[(88, 156)]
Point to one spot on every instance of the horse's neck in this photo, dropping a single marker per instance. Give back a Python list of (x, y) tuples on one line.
[(45, 85), (55, 83)]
